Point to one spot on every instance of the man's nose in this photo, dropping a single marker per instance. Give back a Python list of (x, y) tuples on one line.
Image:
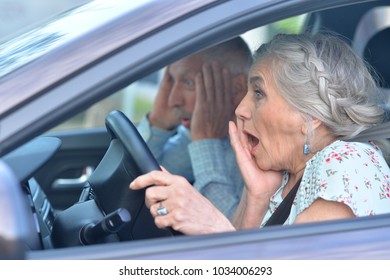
[(176, 96)]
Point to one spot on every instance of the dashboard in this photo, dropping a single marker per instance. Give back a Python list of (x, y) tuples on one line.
[(25, 162)]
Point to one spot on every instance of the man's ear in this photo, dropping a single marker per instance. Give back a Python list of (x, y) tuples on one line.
[(240, 87)]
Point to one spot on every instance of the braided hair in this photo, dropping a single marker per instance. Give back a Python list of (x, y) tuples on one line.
[(322, 77)]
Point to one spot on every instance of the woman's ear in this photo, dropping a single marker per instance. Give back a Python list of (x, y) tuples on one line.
[(310, 124)]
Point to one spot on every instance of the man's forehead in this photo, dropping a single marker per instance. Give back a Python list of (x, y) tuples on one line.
[(186, 66)]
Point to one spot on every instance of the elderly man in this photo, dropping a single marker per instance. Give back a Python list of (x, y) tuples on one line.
[(187, 129)]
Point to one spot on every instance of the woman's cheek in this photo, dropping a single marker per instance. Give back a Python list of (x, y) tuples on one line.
[(265, 157)]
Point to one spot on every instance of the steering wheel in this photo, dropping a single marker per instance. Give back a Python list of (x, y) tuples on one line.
[(121, 128), (108, 210)]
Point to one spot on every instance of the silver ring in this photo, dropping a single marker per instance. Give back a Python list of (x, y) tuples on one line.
[(161, 211)]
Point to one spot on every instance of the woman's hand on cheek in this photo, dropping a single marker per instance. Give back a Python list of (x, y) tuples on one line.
[(259, 183), (239, 144), (188, 211)]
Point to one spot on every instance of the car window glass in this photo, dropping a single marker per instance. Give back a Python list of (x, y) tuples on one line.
[(137, 99), (134, 101)]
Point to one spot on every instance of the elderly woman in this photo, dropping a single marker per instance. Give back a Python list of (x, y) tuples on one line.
[(308, 96)]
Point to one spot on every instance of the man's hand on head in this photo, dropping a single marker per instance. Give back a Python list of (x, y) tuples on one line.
[(163, 116), (214, 106)]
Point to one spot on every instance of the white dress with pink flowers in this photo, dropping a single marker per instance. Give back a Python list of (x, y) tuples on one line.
[(352, 173)]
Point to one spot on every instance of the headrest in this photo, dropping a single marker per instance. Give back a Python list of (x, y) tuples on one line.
[(372, 41), (377, 53)]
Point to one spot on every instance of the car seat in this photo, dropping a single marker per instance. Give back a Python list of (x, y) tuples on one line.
[(372, 42)]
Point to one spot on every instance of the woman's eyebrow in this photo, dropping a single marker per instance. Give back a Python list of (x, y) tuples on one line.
[(256, 79)]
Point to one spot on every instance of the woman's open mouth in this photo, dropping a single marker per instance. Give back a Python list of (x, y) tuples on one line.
[(252, 142)]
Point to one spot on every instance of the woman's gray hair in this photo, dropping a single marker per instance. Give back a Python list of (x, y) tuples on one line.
[(322, 77)]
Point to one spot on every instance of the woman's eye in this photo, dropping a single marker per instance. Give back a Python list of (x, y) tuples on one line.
[(258, 94)]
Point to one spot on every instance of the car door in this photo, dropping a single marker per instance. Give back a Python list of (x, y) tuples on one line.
[(64, 177)]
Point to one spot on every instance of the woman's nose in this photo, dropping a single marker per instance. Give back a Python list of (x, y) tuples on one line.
[(242, 111)]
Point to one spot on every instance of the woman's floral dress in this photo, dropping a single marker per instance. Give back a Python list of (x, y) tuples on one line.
[(352, 173)]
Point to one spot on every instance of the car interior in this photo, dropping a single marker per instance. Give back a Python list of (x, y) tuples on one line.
[(66, 190)]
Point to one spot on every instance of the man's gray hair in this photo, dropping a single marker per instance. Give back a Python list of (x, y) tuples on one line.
[(234, 54)]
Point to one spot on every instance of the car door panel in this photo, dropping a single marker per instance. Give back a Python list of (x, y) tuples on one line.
[(64, 176)]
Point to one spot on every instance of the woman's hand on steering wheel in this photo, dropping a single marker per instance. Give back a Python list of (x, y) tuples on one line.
[(175, 203)]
